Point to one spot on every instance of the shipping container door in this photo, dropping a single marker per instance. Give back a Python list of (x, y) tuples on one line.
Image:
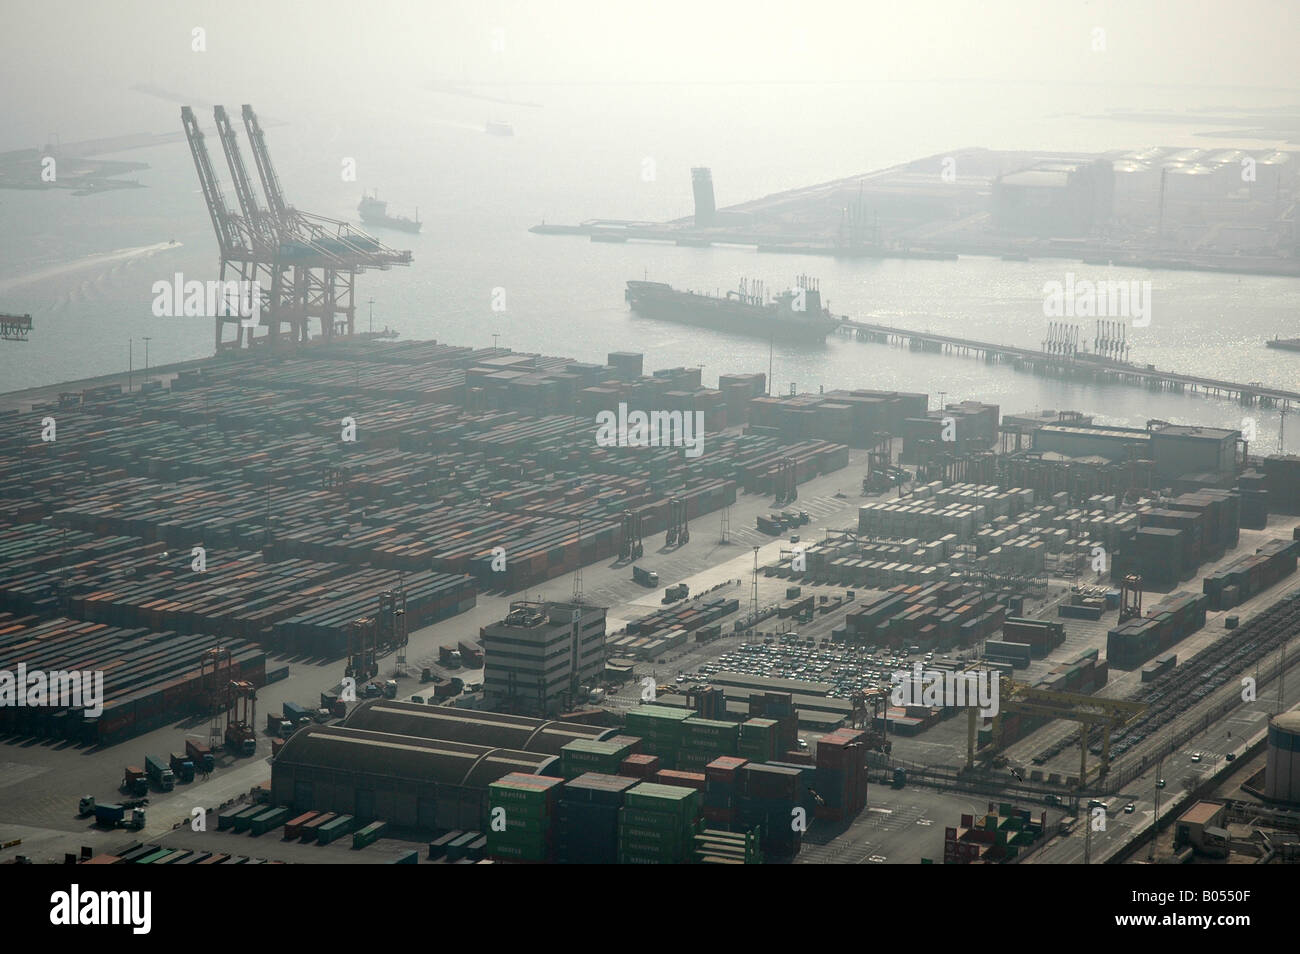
[(365, 806), (302, 796)]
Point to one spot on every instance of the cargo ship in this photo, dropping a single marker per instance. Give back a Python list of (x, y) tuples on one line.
[(375, 212), (795, 315), (1284, 344)]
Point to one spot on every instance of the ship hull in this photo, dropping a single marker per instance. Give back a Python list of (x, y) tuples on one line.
[(400, 225), (722, 314)]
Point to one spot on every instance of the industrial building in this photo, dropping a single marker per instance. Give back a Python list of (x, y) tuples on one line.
[(1201, 828), (1055, 198), (471, 727), (407, 781), (536, 658), (1282, 771)]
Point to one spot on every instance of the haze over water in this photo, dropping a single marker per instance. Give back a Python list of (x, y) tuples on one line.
[(84, 266)]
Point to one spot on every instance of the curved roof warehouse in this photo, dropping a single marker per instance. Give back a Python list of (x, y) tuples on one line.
[(472, 727), (406, 780)]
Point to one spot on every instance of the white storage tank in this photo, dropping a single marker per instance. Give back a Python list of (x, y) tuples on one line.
[(1282, 773)]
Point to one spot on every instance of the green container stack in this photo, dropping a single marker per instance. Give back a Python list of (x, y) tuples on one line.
[(524, 829), (758, 740), (657, 824), (586, 755), (704, 740), (660, 729)]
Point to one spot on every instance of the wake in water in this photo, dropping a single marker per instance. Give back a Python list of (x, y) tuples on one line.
[(123, 255)]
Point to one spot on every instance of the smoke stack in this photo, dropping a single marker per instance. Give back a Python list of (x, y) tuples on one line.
[(705, 209)]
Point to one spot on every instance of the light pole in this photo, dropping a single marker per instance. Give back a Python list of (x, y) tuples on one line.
[(371, 303), (130, 364), (147, 339)]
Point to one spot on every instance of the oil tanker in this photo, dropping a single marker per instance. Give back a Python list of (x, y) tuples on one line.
[(374, 212), (795, 315)]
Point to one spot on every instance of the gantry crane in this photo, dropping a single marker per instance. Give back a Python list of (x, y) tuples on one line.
[(305, 265), (1088, 711)]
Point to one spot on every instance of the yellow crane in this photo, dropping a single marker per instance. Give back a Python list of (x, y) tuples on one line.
[(1088, 711)]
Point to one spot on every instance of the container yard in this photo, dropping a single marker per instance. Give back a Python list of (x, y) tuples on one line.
[(295, 569)]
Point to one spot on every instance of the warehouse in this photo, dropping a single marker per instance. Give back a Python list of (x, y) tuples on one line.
[(470, 727), (1181, 450), (1113, 443), (407, 781)]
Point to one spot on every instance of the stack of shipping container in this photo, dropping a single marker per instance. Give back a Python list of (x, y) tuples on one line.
[(841, 777), (1250, 575), (1132, 643), (588, 812), (660, 729), (759, 740), (767, 797), (657, 824), (522, 810)]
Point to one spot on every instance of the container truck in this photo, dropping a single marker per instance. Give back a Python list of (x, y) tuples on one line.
[(160, 773), (134, 781), (182, 767), (297, 715), (645, 577), (117, 816), (200, 755), (240, 739)]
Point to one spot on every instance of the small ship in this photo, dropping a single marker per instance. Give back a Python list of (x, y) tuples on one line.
[(496, 127), (794, 315), (374, 212)]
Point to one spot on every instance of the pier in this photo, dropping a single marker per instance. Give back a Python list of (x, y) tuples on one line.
[(1088, 368)]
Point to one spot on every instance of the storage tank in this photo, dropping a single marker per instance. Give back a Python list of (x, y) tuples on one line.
[(1282, 774)]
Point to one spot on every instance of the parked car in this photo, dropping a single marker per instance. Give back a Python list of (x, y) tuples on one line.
[(1129, 808)]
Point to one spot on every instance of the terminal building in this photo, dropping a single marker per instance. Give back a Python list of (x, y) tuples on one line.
[(540, 654)]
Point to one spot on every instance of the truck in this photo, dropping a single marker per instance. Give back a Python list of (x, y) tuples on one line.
[(88, 804), (677, 592), (134, 781), (182, 767), (645, 577), (200, 755), (240, 739), (277, 725), (115, 816), (160, 773), (390, 689), (767, 525), (297, 715)]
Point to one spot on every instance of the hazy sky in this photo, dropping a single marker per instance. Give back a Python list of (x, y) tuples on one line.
[(62, 59)]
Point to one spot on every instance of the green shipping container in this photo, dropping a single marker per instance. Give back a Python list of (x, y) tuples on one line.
[(335, 829)]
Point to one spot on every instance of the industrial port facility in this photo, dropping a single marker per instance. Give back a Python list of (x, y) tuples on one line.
[(588, 578)]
